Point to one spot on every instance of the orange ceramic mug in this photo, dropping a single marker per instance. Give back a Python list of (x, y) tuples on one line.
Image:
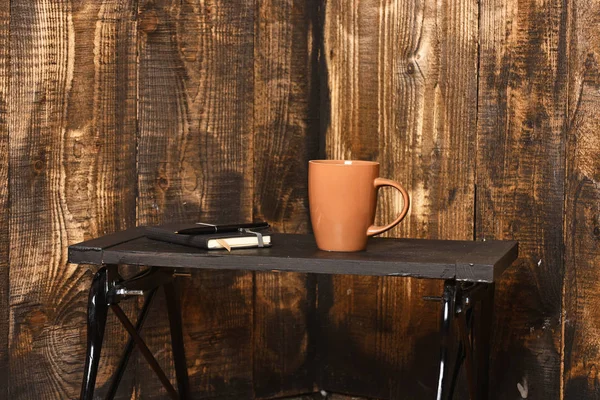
[(342, 199)]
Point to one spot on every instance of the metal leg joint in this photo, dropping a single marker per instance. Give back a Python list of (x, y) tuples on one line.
[(108, 289), (469, 307)]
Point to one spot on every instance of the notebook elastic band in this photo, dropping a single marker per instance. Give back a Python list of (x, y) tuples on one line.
[(259, 236)]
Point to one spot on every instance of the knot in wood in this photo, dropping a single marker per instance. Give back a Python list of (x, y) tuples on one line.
[(78, 149), (593, 372), (36, 321), (163, 183), (38, 166), (148, 21)]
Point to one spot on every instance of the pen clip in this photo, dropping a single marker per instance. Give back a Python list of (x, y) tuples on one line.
[(204, 224)]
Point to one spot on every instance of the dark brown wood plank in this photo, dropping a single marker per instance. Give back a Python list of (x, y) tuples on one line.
[(285, 111), (4, 243), (581, 351), (474, 266), (284, 348), (324, 396), (520, 186), (101, 168), (286, 136), (103, 242), (195, 164), (437, 259), (313, 396), (72, 163), (402, 81)]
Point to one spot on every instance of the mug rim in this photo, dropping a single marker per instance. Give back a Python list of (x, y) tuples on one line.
[(344, 163)]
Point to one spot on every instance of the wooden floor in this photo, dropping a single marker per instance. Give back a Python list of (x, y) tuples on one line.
[(330, 396)]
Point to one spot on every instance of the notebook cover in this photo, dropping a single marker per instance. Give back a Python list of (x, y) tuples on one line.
[(167, 233)]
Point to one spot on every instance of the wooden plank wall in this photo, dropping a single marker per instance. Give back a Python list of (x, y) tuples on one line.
[(400, 79), (581, 351), (141, 112), (4, 272), (286, 102), (116, 113), (522, 113), (72, 162)]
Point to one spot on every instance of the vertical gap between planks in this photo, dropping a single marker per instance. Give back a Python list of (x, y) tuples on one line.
[(568, 4)]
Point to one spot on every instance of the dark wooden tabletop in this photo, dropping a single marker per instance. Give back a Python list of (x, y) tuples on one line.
[(436, 259)]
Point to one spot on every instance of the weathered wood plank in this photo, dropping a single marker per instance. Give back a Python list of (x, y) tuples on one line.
[(418, 258), (286, 136), (401, 78), (195, 111), (324, 396), (72, 163), (110, 141), (284, 312), (4, 243), (195, 163), (285, 111), (520, 186), (314, 396), (581, 351)]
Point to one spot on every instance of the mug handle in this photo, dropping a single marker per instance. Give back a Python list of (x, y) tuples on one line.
[(379, 182)]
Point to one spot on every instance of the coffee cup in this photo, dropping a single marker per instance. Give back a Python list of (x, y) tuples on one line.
[(342, 201)]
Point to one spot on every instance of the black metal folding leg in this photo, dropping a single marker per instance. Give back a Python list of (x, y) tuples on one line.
[(96, 322), (145, 351), (116, 379), (482, 335), (469, 306), (175, 322), (108, 289), (448, 304)]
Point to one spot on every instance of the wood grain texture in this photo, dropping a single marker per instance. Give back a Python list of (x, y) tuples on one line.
[(105, 60), (581, 320), (285, 111), (284, 348), (195, 164), (306, 397), (285, 137), (314, 396), (400, 75), (195, 111), (520, 186), (71, 158), (4, 240), (226, 93), (328, 396), (479, 261)]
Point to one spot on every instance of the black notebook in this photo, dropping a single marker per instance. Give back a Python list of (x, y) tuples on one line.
[(244, 237)]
